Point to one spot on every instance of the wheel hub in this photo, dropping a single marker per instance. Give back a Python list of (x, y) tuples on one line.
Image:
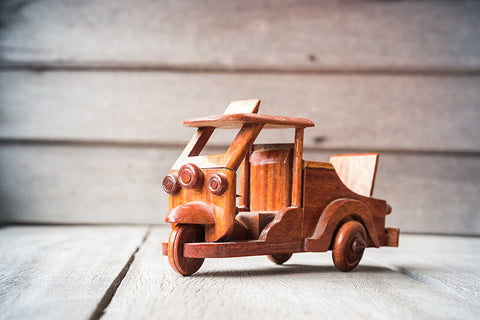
[(358, 245)]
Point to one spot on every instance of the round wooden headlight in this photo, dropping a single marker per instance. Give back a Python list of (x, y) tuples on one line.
[(190, 176), (218, 183), (170, 184)]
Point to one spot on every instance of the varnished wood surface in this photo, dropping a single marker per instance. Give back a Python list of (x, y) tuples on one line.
[(349, 245), (357, 172), (224, 217), (179, 237), (286, 226), (239, 249), (297, 179), (239, 119), (63, 272), (255, 222), (243, 106), (321, 187), (244, 184), (325, 229), (270, 178)]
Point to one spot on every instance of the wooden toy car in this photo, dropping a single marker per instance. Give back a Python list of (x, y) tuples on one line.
[(286, 204)]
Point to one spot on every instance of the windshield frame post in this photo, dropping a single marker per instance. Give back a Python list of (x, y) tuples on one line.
[(297, 168)]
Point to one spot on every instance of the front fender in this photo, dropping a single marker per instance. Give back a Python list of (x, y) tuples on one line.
[(195, 212)]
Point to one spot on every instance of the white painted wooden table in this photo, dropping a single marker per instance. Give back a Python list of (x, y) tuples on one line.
[(88, 272)]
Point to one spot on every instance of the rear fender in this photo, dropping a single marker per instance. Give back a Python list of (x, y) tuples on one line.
[(331, 218), (194, 212)]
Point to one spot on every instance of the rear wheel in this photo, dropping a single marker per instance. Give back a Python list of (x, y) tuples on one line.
[(349, 245), (181, 234), (279, 258)]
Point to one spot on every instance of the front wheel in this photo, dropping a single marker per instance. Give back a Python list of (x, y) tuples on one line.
[(349, 245), (181, 234)]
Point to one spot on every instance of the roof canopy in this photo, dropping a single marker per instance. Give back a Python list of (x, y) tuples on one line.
[(237, 120)]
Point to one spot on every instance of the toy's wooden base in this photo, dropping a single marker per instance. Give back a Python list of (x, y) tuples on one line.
[(237, 249), (255, 247), (240, 249)]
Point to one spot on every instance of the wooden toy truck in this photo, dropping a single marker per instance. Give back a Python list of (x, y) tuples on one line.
[(286, 204)]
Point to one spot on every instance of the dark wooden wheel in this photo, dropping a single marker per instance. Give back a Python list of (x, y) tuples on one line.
[(184, 233), (280, 258), (349, 245)]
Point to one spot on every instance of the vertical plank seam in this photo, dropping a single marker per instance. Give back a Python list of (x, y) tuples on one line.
[(112, 289)]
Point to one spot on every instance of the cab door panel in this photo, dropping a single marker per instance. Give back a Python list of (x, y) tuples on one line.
[(271, 177)]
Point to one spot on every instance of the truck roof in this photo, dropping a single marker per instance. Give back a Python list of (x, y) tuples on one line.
[(237, 120)]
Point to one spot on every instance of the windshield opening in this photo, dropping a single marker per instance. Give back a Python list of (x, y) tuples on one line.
[(276, 136), (219, 142), (235, 148)]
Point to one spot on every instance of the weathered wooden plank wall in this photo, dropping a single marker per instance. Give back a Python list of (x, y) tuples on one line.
[(383, 112), (288, 35), (87, 91)]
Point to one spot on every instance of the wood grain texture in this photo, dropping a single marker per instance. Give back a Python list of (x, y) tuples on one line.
[(322, 189), (84, 185), (240, 249), (243, 106), (349, 245), (306, 286), (357, 171), (428, 193), (194, 212), (297, 168), (255, 222), (448, 263), (201, 197), (180, 236), (331, 218), (244, 184), (410, 112), (292, 35), (238, 120), (61, 272), (270, 178), (286, 226)]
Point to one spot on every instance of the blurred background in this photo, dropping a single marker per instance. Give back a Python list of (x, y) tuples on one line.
[(93, 95)]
